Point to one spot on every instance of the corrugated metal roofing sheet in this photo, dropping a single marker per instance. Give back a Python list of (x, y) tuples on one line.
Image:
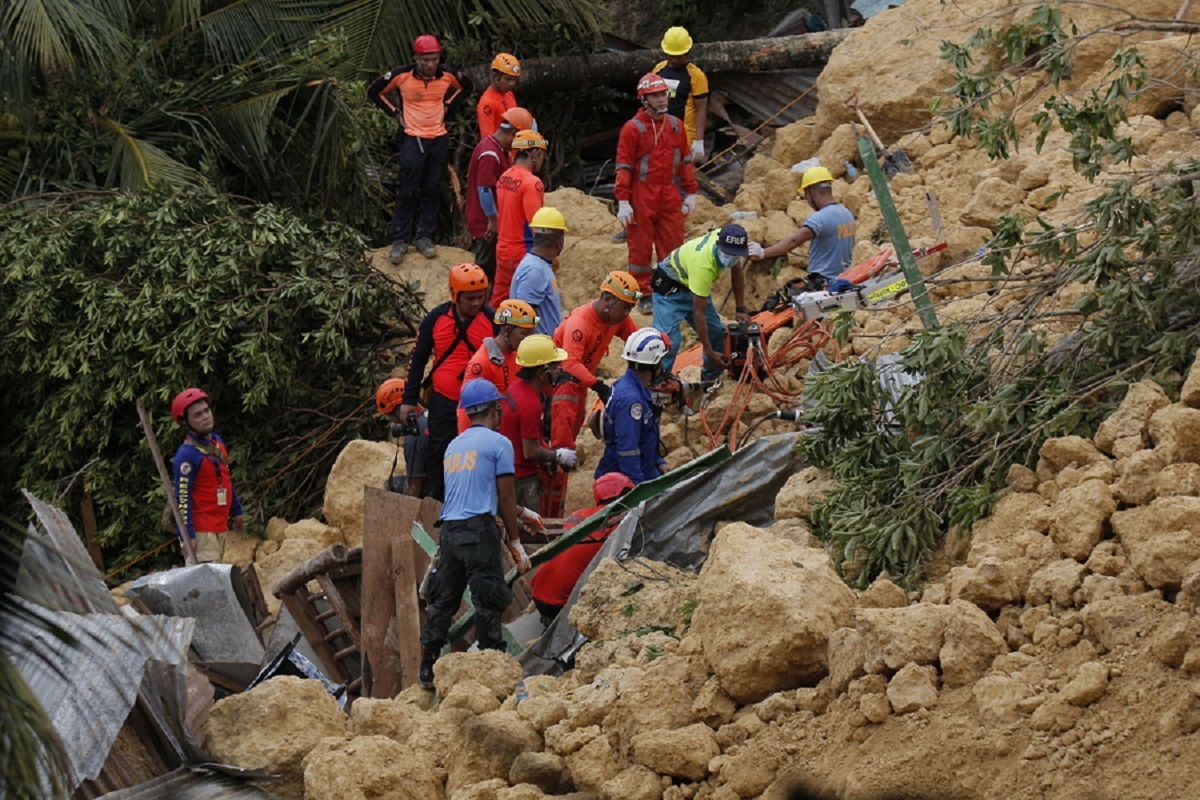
[(790, 93), (192, 784)]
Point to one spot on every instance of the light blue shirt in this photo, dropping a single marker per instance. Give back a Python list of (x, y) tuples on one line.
[(534, 282), (831, 251), (473, 461)]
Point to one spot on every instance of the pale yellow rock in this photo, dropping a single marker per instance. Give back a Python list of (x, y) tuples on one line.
[(361, 464)]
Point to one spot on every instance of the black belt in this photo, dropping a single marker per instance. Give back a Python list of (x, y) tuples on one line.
[(664, 284)]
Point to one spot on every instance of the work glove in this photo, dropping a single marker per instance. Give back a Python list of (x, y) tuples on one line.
[(519, 555), (689, 203), (531, 519), (698, 151), (756, 250), (839, 285), (566, 457), (602, 391), (624, 213)]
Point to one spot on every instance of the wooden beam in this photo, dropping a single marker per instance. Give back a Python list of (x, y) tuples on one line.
[(406, 650)]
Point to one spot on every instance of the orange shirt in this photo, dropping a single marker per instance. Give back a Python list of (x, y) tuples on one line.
[(586, 337), (422, 101), (519, 194), (490, 110), (482, 366)]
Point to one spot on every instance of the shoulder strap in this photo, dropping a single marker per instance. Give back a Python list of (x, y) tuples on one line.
[(460, 337)]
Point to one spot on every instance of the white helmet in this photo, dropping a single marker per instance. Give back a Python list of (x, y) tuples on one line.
[(646, 346)]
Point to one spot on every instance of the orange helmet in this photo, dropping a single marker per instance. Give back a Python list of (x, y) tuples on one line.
[(389, 395), (528, 140), (515, 312), (518, 118), (183, 401), (622, 285), (507, 63), (467, 278)]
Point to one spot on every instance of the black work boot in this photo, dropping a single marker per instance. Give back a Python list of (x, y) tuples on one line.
[(429, 657)]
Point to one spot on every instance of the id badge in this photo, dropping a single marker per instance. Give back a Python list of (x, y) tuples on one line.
[(222, 498)]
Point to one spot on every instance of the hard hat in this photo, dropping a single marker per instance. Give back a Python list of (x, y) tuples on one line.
[(183, 400), (507, 63), (651, 83), (515, 312), (548, 218), (676, 41), (539, 349), (426, 44), (621, 284), (477, 393), (518, 118), (467, 278), (527, 140), (610, 486), (814, 175), (389, 395), (733, 241), (645, 346)]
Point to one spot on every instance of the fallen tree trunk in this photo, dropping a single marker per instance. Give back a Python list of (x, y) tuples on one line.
[(621, 69)]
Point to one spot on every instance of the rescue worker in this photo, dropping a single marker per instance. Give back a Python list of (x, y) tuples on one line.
[(418, 96), (204, 490), (830, 230), (689, 88), (652, 154), (585, 335), (498, 97), (534, 280), (555, 580), (479, 485), (489, 160), (415, 432), (523, 417), (683, 286), (629, 424), (450, 334), (519, 194), (496, 359)]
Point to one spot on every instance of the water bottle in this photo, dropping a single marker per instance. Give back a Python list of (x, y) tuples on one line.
[(744, 215), (851, 172), (521, 693)]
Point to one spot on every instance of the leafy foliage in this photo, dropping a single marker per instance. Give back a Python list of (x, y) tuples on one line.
[(111, 297), (914, 467)]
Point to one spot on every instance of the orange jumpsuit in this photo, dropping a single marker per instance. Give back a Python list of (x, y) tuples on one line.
[(651, 156), (484, 365), (519, 195), (585, 337)]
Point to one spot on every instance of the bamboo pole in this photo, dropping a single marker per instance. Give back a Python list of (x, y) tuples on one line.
[(189, 547)]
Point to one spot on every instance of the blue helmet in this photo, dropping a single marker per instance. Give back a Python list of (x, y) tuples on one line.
[(478, 392)]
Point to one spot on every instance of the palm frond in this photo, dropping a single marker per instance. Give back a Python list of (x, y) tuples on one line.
[(142, 165), (54, 36)]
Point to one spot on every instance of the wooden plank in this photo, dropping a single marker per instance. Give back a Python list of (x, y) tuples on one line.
[(386, 517), (88, 512), (406, 650), (300, 605)]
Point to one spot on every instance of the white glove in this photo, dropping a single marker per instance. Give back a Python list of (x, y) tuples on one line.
[(756, 250), (697, 151), (624, 213), (519, 555), (689, 203), (532, 519), (566, 457)]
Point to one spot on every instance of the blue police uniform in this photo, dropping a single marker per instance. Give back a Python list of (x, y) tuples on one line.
[(630, 432)]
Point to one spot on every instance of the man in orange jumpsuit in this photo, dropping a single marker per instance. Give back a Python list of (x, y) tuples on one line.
[(652, 153), (498, 97), (519, 195), (496, 359), (585, 334)]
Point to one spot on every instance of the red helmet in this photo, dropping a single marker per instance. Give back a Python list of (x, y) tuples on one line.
[(183, 401), (467, 278), (610, 486), (651, 83), (426, 44), (389, 395)]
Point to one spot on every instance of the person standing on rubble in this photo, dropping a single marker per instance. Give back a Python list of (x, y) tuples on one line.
[(491, 157), (449, 334), (498, 97), (629, 425), (830, 230), (652, 155), (519, 195), (478, 466), (683, 283), (534, 280), (414, 429), (204, 490), (688, 88), (418, 96), (496, 360)]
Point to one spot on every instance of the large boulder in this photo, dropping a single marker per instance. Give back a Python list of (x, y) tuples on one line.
[(492, 670), (767, 609), (1189, 395), (361, 463), (1128, 424), (894, 637), (1175, 431), (486, 747), (370, 767), (1161, 539), (1079, 517), (682, 753), (971, 643)]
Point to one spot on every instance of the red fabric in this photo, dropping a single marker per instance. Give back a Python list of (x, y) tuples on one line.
[(555, 580), (488, 162), (656, 231), (586, 338), (482, 366), (664, 144), (567, 409), (519, 194), (448, 378), (506, 268), (522, 419), (490, 109)]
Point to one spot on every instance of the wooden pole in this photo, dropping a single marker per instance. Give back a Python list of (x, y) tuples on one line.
[(88, 512), (189, 547)]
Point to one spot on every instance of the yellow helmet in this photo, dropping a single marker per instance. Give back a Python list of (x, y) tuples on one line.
[(508, 64), (549, 218), (623, 285), (676, 41), (527, 140), (515, 312), (814, 175), (539, 349)]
